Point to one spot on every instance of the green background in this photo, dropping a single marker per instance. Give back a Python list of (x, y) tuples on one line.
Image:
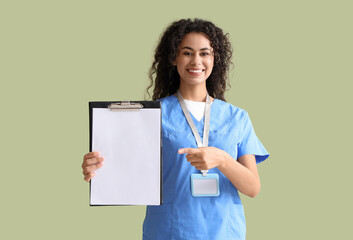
[(292, 73)]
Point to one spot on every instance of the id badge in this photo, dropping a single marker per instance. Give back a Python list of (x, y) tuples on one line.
[(205, 186)]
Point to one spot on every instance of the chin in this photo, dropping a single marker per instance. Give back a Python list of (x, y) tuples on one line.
[(194, 82)]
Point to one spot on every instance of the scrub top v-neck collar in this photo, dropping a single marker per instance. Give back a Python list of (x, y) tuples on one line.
[(202, 120)]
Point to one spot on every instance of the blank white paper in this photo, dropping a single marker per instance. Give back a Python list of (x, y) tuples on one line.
[(130, 143)]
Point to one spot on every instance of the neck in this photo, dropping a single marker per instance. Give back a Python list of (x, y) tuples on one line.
[(195, 93)]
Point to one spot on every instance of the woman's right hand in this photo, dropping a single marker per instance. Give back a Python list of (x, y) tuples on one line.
[(91, 162)]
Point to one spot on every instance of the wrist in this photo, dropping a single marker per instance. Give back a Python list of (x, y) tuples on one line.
[(223, 160)]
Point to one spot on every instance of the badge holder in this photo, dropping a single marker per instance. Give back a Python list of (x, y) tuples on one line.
[(205, 185)]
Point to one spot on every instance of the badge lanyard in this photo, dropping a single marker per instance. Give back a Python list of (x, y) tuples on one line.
[(205, 185), (206, 127)]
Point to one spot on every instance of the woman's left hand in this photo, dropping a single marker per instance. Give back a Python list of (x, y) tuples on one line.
[(204, 158)]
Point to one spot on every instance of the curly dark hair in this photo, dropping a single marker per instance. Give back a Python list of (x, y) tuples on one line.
[(164, 75)]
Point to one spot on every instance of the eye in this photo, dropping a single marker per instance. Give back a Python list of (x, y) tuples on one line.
[(187, 53), (205, 54)]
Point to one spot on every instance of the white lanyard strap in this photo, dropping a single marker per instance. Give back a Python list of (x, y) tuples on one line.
[(206, 127)]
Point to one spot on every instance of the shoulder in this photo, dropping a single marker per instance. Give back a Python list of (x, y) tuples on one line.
[(229, 110), (168, 104), (167, 100)]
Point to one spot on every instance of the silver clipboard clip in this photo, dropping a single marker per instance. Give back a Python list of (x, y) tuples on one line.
[(125, 106)]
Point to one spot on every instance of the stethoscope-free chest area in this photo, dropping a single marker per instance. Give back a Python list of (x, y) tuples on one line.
[(203, 184)]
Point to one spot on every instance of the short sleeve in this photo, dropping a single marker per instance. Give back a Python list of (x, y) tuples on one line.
[(249, 142)]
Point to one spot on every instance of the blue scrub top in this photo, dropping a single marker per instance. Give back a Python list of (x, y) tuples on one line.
[(183, 216)]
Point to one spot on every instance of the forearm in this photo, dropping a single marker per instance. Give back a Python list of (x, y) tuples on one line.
[(240, 176)]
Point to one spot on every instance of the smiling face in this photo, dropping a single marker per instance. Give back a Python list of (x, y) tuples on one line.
[(195, 59)]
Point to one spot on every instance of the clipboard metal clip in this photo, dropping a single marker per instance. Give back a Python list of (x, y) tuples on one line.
[(125, 106)]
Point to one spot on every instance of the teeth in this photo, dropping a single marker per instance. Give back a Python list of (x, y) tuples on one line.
[(195, 71)]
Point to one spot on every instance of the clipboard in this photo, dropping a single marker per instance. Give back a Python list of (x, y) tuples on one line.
[(128, 134)]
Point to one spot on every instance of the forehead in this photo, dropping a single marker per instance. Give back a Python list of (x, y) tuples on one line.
[(195, 41)]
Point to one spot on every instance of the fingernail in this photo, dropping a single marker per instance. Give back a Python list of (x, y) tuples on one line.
[(180, 151)]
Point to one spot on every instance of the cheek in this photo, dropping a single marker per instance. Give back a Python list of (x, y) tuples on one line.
[(179, 70), (210, 66), (210, 63)]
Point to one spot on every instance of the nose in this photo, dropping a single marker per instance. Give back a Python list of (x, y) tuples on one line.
[(196, 59)]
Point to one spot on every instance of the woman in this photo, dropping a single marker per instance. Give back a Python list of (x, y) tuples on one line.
[(189, 74)]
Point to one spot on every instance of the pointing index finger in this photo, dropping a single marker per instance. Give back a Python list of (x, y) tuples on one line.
[(187, 150)]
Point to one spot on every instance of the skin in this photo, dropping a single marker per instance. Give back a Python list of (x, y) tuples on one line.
[(91, 162), (195, 53)]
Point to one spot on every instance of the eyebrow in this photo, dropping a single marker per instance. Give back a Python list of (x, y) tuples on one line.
[(202, 49)]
